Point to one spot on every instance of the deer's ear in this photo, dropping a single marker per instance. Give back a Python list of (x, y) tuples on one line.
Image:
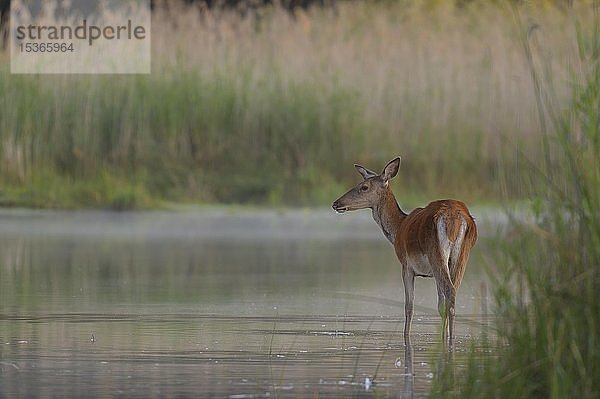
[(364, 172), (391, 169)]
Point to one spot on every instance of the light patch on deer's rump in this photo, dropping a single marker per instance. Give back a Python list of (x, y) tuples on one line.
[(455, 253), (445, 243), (450, 250)]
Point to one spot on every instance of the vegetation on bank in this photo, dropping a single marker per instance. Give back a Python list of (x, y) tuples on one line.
[(547, 336), (273, 108), (482, 102)]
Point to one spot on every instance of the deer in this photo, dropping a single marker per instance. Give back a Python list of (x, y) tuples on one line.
[(434, 241)]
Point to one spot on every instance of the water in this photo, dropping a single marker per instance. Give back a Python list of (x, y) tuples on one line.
[(216, 303)]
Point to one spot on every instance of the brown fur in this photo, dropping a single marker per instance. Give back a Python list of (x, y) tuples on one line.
[(415, 237), (417, 232)]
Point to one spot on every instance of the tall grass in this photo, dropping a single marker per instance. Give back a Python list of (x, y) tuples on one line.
[(549, 326), (181, 136), (273, 108)]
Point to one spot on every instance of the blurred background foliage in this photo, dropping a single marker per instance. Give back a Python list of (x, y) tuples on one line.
[(272, 106)]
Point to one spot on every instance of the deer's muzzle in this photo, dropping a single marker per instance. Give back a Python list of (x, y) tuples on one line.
[(338, 207)]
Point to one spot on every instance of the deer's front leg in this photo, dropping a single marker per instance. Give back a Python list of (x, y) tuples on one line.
[(409, 294)]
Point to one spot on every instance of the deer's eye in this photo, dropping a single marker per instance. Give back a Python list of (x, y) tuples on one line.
[(364, 187)]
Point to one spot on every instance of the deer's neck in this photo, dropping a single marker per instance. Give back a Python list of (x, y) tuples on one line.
[(388, 216)]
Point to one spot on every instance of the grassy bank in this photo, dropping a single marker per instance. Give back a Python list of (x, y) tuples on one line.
[(273, 108), (178, 137), (547, 341)]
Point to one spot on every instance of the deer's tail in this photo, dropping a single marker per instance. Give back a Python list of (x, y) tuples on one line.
[(459, 256)]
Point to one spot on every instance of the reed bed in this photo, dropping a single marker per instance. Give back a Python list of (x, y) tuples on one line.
[(273, 108)]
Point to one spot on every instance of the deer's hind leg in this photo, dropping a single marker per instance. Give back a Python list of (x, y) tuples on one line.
[(446, 303), (438, 259)]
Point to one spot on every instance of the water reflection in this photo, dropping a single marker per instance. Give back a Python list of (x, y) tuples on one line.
[(207, 304), (409, 377)]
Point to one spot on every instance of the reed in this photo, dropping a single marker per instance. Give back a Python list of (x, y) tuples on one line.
[(267, 107), (548, 330)]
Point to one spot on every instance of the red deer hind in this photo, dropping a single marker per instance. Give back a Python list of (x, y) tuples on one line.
[(434, 241)]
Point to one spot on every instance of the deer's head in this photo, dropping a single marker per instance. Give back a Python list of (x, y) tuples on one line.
[(371, 191)]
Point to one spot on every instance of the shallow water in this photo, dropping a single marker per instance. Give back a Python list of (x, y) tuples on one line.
[(217, 303)]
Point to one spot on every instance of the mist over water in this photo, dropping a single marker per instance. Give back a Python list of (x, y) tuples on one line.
[(216, 303)]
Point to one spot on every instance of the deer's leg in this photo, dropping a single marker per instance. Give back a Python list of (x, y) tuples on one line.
[(446, 293), (451, 312), (443, 310), (409, 295), (446, 301)]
